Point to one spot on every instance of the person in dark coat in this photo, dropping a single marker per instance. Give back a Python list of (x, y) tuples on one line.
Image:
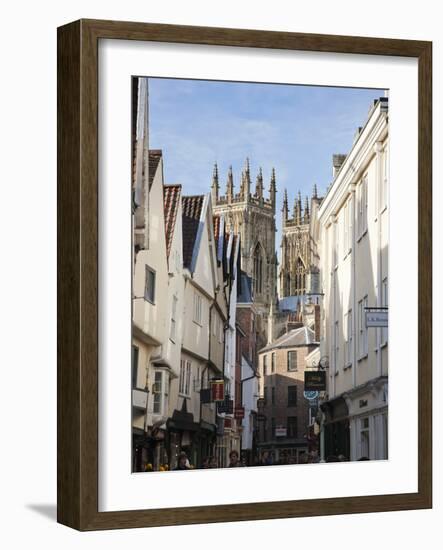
[(234, 460), (183, 462)]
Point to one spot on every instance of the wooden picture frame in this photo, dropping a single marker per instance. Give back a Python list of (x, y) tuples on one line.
[(77, 479)]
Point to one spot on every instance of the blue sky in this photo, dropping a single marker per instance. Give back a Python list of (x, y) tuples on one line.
[(295, 129)]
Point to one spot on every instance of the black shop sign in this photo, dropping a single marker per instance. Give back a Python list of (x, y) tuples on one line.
[(315, 380)]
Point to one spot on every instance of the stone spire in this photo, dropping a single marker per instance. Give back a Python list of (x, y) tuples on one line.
[(306, 215), (285, 209), (215, 187), (230, 185), (273, 188), (297, 210), (314, 192), (246, 181), (259, 184)]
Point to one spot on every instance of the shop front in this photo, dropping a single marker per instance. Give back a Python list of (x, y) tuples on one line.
[(336, 429), (182, 436)]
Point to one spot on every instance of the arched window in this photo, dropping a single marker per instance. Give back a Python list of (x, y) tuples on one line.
[(288, 285), (258, 270), (300, 277)]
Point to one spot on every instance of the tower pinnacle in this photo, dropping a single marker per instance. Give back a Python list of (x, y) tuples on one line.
[(285, 208), (272, 188), (259, 184), (246, 181), (314, 192), (215, 187), (230, 185), (306, 214)]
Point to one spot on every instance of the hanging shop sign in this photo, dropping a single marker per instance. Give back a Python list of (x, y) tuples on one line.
[(239, 412), (310, 395), (217, 390), (315, 380), (226, 406), (205, 396), (376, 317), (228, 423)]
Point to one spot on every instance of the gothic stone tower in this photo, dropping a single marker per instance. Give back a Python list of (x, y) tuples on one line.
[(252, 216), (299, 259)]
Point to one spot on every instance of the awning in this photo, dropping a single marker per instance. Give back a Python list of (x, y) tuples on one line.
[(182, 421)]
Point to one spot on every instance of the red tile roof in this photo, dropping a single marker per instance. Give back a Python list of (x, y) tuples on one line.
[(192, 207), (216, 222), (171, 200)]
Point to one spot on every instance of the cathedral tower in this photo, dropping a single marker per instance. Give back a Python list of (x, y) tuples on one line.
[(252, 216), (299, 258)]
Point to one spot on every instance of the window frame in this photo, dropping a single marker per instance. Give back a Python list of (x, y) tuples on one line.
[(363, 347), (197, 316), (146, 294), (155, 393), (173, 323), (292, 396), (362, 202), (184, 384), (336, 345), (135, 358), (288, 362), (349, 342), (292, 421)]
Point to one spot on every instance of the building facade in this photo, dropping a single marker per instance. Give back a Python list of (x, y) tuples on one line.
[(284, 412), (151, 365), (353, 220), (191, 424)]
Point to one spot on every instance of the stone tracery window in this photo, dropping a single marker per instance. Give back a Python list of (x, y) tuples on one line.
[(258, 270), (300, 277)]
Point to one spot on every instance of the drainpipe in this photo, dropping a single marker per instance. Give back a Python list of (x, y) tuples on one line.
[(378, 149)]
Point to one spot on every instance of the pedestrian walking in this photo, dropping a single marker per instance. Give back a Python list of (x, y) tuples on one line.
[(234, 461), (183, 462)]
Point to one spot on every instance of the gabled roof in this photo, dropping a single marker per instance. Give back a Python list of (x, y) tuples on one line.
[(171, 201), (154, 160), (191, 213), (302, 336)]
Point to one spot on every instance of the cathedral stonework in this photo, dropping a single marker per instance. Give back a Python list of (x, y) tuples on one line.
[(299, 255), (252, 216)]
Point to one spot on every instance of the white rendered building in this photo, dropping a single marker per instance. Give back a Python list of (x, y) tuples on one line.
[(354, 227)]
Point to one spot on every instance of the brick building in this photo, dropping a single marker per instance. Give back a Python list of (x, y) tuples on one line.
[(284, 413), (250, 338)]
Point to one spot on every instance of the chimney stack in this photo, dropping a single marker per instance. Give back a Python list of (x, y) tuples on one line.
[(337, 161)]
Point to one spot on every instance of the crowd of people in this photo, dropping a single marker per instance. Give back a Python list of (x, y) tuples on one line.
[(235, 461)]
